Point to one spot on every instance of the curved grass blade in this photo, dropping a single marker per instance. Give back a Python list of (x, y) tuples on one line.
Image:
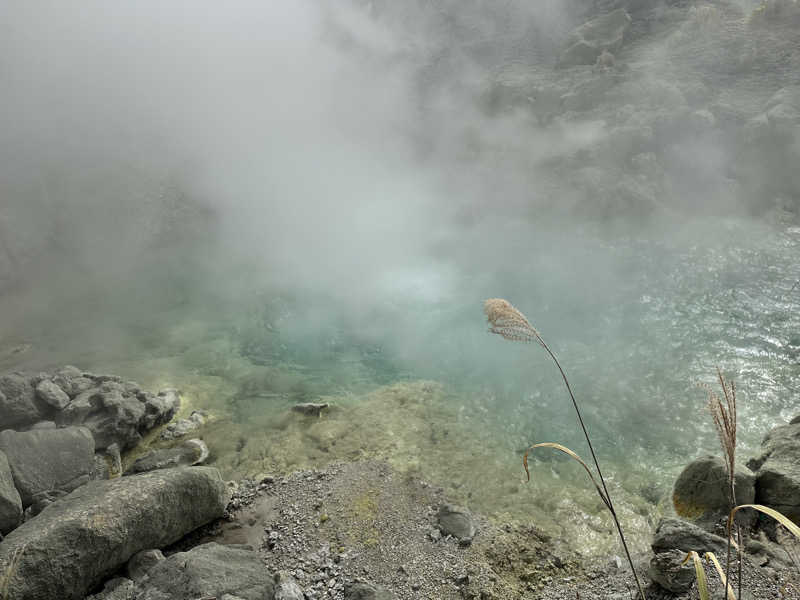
[(572, 455), (711, 557), (779, 517), (702, 582)]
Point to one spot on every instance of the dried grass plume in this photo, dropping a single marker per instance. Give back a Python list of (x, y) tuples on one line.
[(507, 321)]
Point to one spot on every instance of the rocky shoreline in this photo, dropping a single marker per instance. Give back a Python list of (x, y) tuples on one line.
[(76, 526)]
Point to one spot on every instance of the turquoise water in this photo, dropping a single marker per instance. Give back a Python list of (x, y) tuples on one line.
[(637, 318)]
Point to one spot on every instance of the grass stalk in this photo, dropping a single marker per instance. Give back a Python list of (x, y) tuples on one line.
[(511, 324)]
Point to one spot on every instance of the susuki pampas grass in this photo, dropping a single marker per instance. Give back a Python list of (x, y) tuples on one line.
[(511, 324)]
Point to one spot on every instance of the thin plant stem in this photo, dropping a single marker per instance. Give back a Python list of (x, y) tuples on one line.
[(512, 325), (609, 503)]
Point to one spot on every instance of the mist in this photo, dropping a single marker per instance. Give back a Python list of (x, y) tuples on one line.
[(364, 175)]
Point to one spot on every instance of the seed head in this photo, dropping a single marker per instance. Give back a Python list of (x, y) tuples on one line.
[(507, 321)]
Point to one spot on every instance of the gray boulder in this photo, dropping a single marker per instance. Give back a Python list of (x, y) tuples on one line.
[(605, 33), (209, 570), (44, 460), (10, 502), (673, 540), (676, 534), (456, 521), (367, 591), (141, 562), (669, 571), (190, 452), (75, 543), (51, 394), (701, 492), (19, 406), (778, 475)]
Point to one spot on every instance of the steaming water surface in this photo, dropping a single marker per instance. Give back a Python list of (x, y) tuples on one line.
[(637, 320)]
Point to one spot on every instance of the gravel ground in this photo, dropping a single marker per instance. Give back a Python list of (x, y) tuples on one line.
[(363, 521)]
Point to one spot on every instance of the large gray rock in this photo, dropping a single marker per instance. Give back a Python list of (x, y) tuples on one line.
[(75, 543), (778, 476), (676, 534), (209, 570), (701, 491), (456, 521), (46, 460), (10, 502), (19, 406), (190, 452), (672, 541), (605, 33)]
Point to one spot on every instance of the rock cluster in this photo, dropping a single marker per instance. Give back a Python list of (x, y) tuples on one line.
[(66, 428), (113, 410), (701, 497)]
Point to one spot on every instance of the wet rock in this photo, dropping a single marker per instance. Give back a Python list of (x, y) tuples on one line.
[(669, 571), (701, 490), (19, 407), (367, 591), (184, 426), (50, 393), (44, 425), (191, 452), (10, 502), (45, 460), (286, 587), (209, 570), (602, 34), (456, 521), (778, 475), (677, 534), (141, 562), (92, 532)]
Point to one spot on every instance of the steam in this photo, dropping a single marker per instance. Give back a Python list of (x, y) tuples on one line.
[(381, 165)]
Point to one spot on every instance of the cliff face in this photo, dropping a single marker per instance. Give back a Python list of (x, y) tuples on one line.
[(612, 108)]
